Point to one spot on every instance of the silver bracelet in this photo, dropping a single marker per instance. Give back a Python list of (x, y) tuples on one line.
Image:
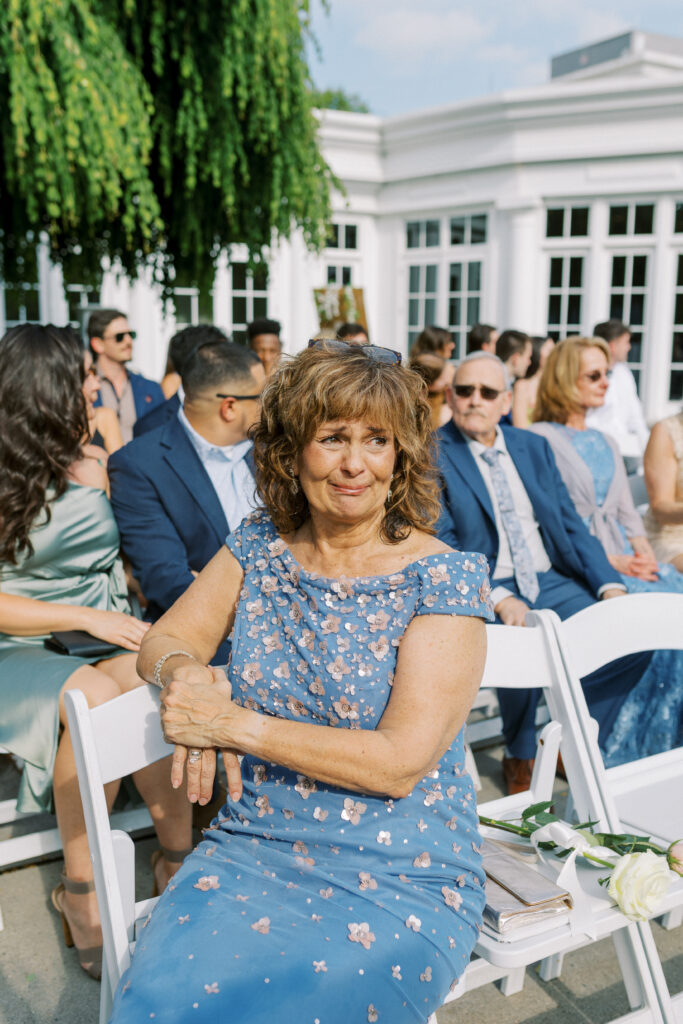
[(162, 660)]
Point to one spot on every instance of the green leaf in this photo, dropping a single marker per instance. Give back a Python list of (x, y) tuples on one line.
[(534, 809)]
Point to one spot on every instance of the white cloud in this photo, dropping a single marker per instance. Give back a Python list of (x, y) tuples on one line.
[(432, 33)]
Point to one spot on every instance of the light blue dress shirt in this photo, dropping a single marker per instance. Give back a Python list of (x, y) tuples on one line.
[(228, 471)]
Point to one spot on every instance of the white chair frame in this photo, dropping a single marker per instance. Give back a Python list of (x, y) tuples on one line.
[(124, 735)]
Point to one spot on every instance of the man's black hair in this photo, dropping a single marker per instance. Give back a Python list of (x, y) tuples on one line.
[(220, 366)]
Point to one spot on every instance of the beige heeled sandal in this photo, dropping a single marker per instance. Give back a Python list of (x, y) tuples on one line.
[(90, 958), (172, 856)]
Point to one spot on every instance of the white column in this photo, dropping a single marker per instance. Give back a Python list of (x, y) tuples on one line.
[(521, 284), (659, 313)]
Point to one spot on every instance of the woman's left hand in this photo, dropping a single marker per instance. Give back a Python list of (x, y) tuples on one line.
[(189, 710)]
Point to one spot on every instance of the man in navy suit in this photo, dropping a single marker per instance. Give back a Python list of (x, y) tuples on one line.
[(180, 348), (129, 394), (180, 489), (503, 496)]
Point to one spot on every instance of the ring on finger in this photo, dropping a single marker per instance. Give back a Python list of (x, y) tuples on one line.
[(194, 754)]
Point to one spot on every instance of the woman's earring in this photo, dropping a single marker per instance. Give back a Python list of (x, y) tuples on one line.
[(294, 485)]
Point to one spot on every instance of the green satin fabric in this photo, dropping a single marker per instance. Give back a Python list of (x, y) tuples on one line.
[(75, 561)]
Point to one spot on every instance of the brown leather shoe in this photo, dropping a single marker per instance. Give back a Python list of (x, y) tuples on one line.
[(517, 773)]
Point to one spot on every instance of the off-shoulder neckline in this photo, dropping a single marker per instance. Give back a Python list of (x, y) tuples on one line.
[(287, 555)]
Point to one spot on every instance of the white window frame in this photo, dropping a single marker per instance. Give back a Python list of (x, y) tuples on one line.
[(677, 328), (564, 325), (464, 295), (250, 294), (628, 290)]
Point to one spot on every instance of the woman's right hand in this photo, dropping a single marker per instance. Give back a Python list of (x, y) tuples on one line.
[(115, 628)]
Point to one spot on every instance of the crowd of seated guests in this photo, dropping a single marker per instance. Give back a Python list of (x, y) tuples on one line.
[(548, 506)]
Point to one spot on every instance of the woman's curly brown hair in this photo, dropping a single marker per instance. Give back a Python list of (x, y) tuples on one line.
[(43, 421), (320, 385)]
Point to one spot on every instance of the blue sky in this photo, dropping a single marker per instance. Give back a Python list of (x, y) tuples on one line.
[(402, 55)]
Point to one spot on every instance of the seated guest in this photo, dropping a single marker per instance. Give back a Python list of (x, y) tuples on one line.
[(482, 338), (60, 570), (514, 349), (663, 465), (181, 347), (436, 340), (621, 414), (573, 382), (346, 872), (263, 338), (353, 333), (503, 495), (129, 394), (437, 375), (178, 490), (103, 423), (525, 389)]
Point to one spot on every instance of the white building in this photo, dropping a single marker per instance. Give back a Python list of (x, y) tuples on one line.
[(545, 209)]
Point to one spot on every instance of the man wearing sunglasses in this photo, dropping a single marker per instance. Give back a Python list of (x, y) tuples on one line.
[(179, 489), (129, 394), (503, 495)]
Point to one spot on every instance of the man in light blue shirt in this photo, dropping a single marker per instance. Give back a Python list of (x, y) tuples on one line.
[(178, 490)]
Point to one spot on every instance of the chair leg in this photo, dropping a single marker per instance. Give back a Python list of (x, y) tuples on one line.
[(551, 967), (471, 767), (674, 919), (635, 970), (106, 995), (513, 982)]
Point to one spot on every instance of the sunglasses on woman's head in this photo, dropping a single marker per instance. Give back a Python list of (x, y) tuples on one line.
[(467, 390), (374, 352)]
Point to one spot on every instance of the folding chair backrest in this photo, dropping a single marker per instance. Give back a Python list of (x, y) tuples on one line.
[(110, 742)]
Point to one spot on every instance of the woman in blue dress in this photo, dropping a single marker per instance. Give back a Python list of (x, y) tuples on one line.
[(342, 880), (575, 379)]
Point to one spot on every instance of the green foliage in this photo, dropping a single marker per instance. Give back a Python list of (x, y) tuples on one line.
[(338, 99), (157, 132)]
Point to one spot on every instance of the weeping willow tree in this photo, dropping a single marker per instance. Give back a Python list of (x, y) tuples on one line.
[(157, 132)]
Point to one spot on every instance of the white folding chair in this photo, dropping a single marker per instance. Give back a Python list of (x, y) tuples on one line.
[(530, 657), (643, 796), (111, 741)]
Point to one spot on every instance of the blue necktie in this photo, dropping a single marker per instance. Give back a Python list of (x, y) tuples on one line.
[(526, 578)]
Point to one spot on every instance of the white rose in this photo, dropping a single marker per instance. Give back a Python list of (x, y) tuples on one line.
[(639, 883)]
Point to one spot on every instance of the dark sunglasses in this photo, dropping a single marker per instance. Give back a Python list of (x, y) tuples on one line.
[(239, 398), (374, 352), (467, 390), (121, 336), (596, 375)]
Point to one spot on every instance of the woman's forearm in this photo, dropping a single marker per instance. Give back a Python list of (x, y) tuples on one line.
[(667, 512), (363, 760), (26, 616)]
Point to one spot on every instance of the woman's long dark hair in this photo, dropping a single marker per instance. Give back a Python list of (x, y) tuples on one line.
[(42, 425)]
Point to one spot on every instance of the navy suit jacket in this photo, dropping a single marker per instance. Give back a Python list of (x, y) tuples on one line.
[(467, 520), (168, 513), (147, 394), (159, 415)]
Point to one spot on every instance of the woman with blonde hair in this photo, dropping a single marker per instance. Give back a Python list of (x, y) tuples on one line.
[(342, 880), (574, 380)]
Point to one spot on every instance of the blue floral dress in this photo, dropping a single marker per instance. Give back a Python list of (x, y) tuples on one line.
[(651, 718), (306, 902)]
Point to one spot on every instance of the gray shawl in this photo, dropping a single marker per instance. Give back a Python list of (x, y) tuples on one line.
[(617, 508)]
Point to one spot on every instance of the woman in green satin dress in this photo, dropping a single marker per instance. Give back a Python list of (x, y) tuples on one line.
[(60, 570)]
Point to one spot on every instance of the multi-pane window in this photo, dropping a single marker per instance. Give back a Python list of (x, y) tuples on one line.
[(423, 233), (338, 275), (191, 305), (565, 295), (342, 236), (470, 230), (566, 222), (464, 301), (631, 219), (676, 381), (422, 293), (82, 301), (678, 219), (628, 295), (249, 298), (22, 296)]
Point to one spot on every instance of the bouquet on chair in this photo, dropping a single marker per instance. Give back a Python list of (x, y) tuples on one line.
[(640, 870)]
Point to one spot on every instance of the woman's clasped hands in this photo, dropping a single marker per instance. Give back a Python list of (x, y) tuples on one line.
[(194, 706)]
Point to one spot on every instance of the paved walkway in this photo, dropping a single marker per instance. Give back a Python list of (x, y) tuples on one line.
[(41, 982)]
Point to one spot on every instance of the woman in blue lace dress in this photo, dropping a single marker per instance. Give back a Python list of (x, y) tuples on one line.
[(342, 880), (575, 380)]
